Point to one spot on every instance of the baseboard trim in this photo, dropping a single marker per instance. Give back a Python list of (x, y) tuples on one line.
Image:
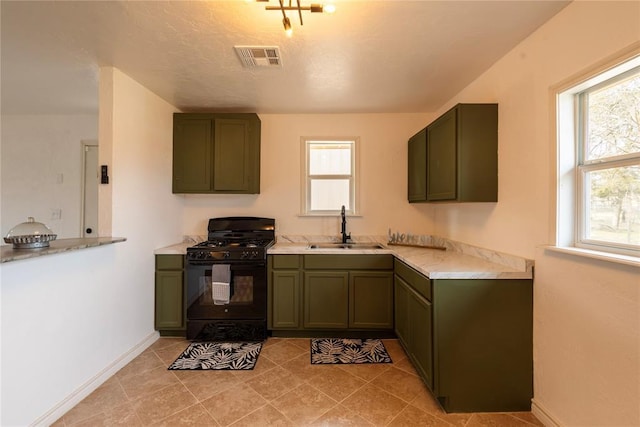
[(88, 387), (543, 414)]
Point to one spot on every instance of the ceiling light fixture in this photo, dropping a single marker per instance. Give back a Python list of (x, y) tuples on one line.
[(313, 8), (287, 26)]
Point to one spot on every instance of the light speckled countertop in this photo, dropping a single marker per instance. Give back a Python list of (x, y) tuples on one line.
[(434, 263), (55, 247), (458, 261), (177, 249)]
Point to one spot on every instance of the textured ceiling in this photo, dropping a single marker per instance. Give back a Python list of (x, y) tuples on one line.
[(368, 57)]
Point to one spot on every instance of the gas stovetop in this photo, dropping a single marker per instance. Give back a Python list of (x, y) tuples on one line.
[(234, 239), (229, 244)]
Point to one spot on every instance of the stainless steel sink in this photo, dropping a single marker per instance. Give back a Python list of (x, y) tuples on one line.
[(346, 246)]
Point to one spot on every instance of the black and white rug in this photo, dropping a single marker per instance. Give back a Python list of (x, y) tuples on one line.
[(342, 350), (218, 356)]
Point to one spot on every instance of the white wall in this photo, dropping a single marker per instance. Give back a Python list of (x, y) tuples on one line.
[(587, 313), (39, 151), (69, 319), (144, 209), (383, 177)]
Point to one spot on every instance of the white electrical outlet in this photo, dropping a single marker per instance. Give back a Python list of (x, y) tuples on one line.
[(56, 213)]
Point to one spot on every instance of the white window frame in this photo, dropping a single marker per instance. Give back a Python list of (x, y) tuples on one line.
[(570, 203), (305, 206)]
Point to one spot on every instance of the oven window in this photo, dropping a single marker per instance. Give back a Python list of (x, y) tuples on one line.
[(239, 291)]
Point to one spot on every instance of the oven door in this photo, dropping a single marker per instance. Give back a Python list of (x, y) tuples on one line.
[(247, 293)]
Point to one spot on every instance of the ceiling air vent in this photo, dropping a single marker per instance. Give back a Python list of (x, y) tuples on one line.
[(259, 56)]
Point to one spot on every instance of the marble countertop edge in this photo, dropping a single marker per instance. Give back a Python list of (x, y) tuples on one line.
[(458, 261), (9, 254)]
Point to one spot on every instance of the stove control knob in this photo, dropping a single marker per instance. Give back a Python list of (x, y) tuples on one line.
[(226, 254), (244, 255)]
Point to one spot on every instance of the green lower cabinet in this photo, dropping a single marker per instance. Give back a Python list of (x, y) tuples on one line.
[(169, 295), (330, 293), (469, 340), (420, 336), (483, 342), (401, 315), (286, 299), (326, 300), (370, 300), (413, 317), (284, 306)]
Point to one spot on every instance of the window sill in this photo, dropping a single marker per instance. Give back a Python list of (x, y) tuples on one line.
[(326, 215), (603, 256)]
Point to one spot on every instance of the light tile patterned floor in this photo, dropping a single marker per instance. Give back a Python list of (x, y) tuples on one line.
[(284, 389)]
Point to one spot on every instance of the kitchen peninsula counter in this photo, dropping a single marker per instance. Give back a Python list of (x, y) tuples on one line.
[(8, 253)]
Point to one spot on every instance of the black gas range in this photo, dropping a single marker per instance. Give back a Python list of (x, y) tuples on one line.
[(227, 280), (234, 239)]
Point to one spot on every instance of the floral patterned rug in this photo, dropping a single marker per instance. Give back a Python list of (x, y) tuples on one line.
[(218, 356), (339, 350)]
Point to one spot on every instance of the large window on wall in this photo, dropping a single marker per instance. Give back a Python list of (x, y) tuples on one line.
[(329, 180), (599, 165)]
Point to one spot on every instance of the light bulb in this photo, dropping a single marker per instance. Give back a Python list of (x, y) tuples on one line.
[(287, 26), (329, 8)]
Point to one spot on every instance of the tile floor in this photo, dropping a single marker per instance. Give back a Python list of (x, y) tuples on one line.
[(284, 389)]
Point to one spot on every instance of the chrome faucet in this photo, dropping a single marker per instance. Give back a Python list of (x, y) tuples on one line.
[(345, 236)]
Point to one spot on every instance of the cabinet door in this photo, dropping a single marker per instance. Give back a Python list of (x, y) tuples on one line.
[(441, 158), (233, 158), (286, 299), (192, 155), (371, 300), (326, 300), (169, 309), (401, 302), (421, 336), (484, 344), (417, 167)]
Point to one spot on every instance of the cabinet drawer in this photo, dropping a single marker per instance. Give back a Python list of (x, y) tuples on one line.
[(416, 280), (348, 262), (169, 262), (285, 261)]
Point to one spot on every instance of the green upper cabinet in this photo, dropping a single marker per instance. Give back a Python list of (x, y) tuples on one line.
[(459, 162), (442, 166), (216, 153), (417, 167)]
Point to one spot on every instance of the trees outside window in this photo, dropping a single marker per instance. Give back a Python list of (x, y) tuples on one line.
[(609, 162), (598, 186)]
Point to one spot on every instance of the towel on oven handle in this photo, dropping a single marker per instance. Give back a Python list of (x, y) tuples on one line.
[(221, 283)]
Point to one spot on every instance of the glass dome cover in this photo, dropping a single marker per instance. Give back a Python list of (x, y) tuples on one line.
[(30, 234)]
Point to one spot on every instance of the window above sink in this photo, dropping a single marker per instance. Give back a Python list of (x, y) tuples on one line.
[(330, 175)]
